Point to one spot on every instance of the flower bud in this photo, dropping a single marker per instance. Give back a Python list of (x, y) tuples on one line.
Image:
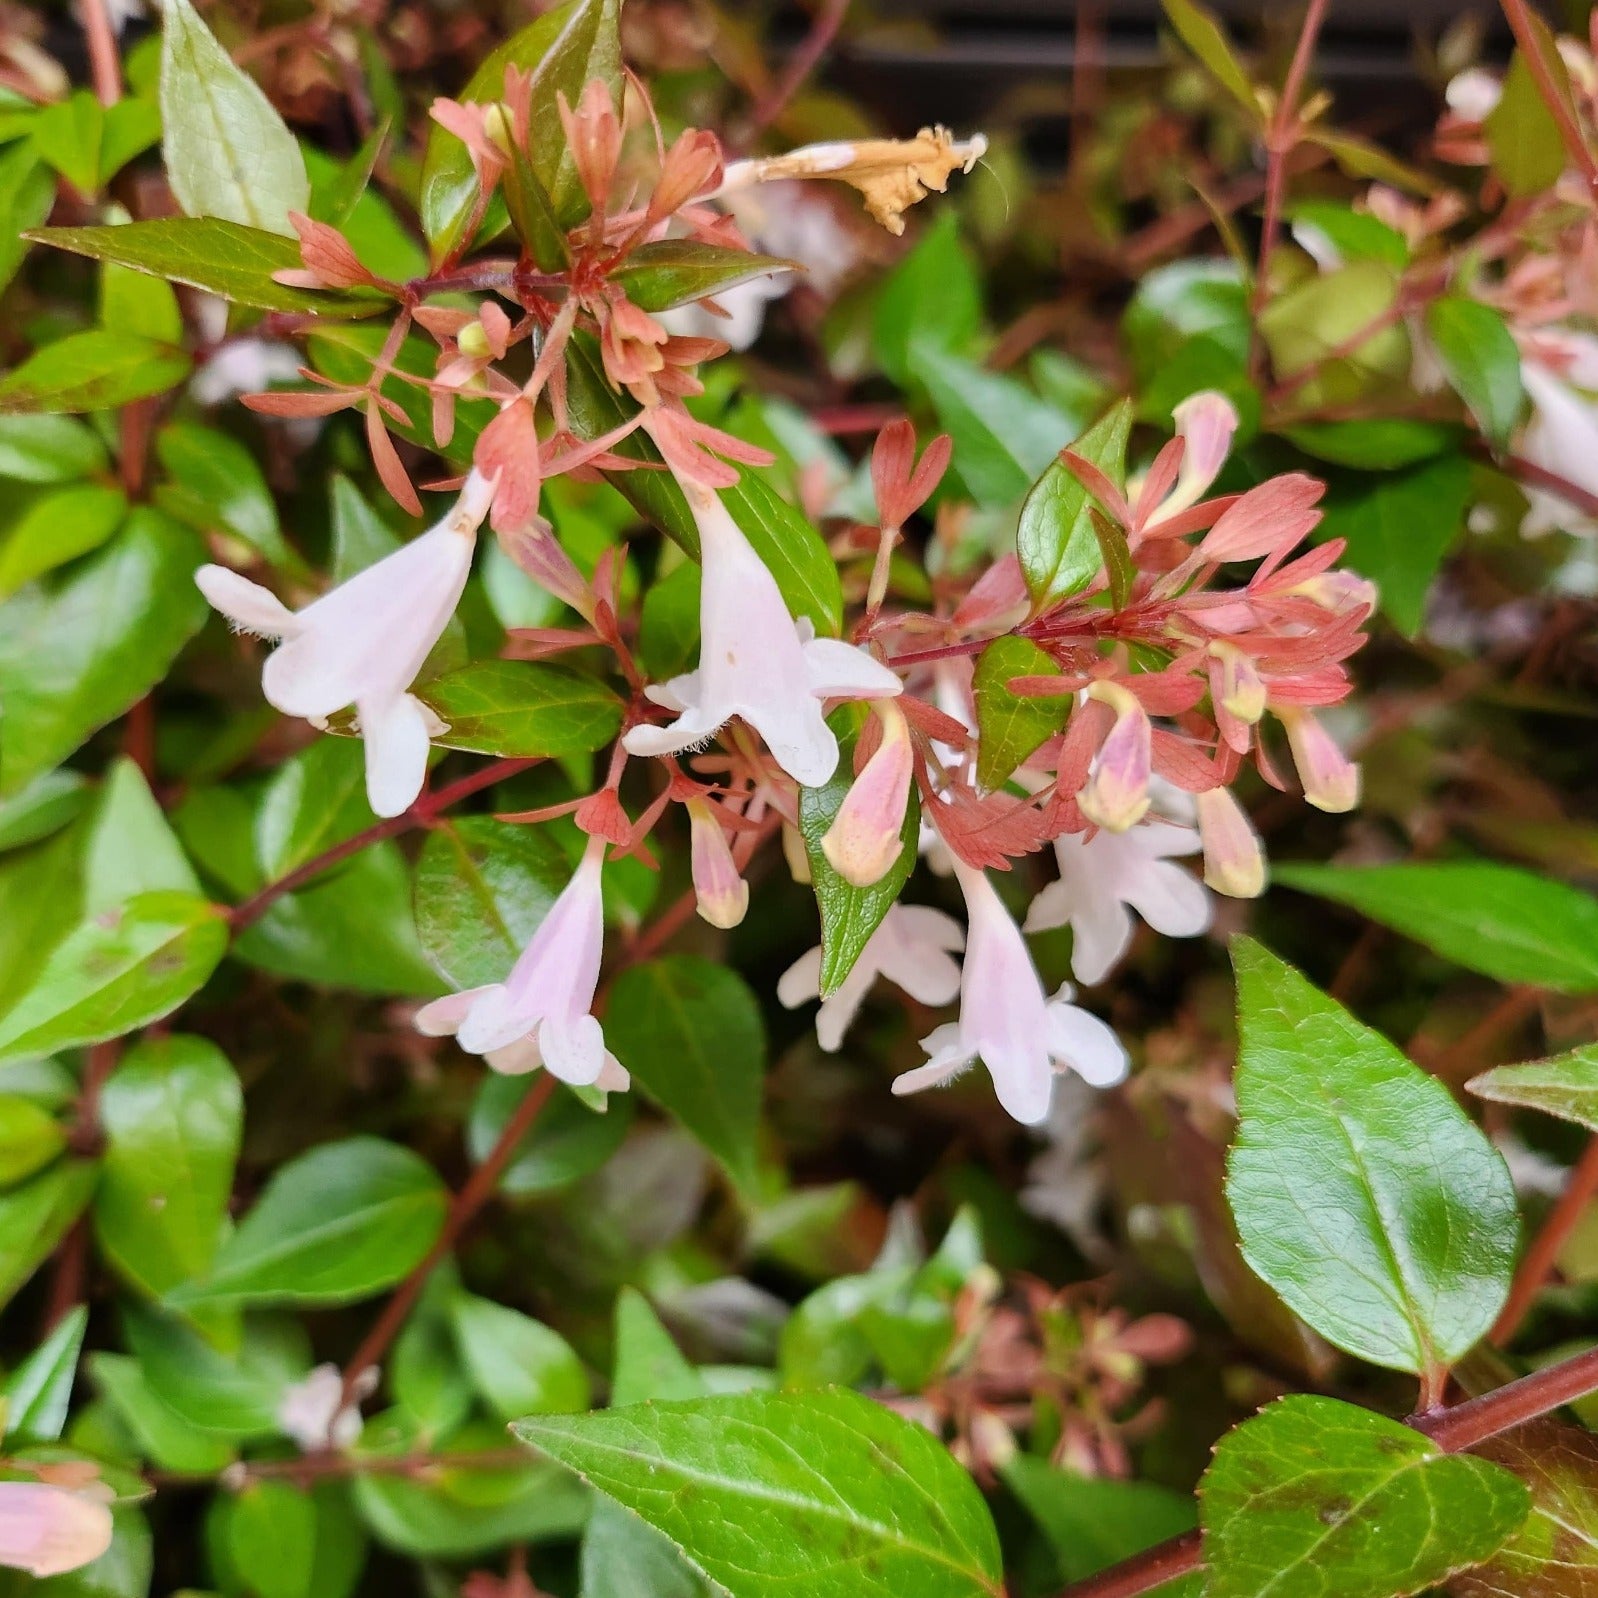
[(473, 341), (498, 129), (864, 839), (723, 895), (1116, 796), (1236, 683), (1234, 862), (1330, 778)]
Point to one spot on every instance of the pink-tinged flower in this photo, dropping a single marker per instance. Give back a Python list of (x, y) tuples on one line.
[(863, 840), (1330, 778), (756, 662), (1205, 422), (721, 892), (1007, 1022), (1105, 877), (48, 1530), (913, 948), (363, 643), (1234, 861), (1116, 795), (542, 1013), (1558, 369), (309, 1411)]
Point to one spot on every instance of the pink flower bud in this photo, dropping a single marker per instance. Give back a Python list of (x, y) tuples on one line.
[(1205, 423), (1234, 862), (1330, 778), (1235, 682), (722, 893), (864, 838), (594, 135), (1117, 793), (48, 1530)]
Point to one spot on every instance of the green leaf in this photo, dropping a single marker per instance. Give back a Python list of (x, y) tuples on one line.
[(134, 302), (1399, 528), (690, 1032), (1555, 1552), (1381, 444), (1200, 301), (1093, 1522), (849, 915), (1482, 361), (568, 1141), (482, 888), (1523, 139), (30, 1137), (1004, 435), (27, 191), (173, 1115), (315, 800), (120, 971), (669, 272), (1354, 235), (563, 49), (774, 1493), (41, 893), (39, 1390), (624, 1557), (1314, 1498), (1012, 728), (158, 1432), (649, 1365), (1512, 925), (58, 528), (335, 1225), (522, 708), (46, 805), (228, 153), (1565, 1086), (36, 1216), (94, 370), (1060, 552), (1307, 327), (224, 258), (217, 487), (271, 1534), (131, 849), (1205, 37), (932, 297), (518, 1365), (1359, 158), (49, 449), (1362, 1192)]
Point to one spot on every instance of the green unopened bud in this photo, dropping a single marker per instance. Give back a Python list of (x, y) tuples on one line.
[(473, 341), (499, 129)]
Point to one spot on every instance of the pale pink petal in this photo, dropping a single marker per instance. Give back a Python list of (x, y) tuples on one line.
[(442, 1017), (395, 732), (48, 1530), (250, 607)]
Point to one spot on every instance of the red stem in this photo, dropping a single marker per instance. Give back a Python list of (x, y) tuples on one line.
[(804, 61), (1525, 30), (1539, 1260), (105, 67)]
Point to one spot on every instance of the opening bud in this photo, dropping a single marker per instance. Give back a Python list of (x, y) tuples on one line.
[(864, 838), (1234, 861), (723, 895), (1116, 796), (1330, 778)]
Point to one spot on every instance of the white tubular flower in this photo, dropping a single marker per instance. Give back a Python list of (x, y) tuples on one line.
[(1562, 434), (756, 662), (363, 643), (912, 947), (1105, 877), (48, 1530), (1006, 1021), (542, 1013)]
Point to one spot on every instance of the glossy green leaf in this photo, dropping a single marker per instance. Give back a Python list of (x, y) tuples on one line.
[(1362, 1192), (1506, 923), (135, 302), (27, 191), (1011, 728), (671, 272), (1309, 327), (58, 528), (1200, 301), (518, 1365), (36, 1216), (88, 143), (624, 1557), (932, 297), (1399, 528), (690, 1033), (121, 970), (1523, 140), (335, 1225), (130, 848), (771, 1493), (173, 1115), (316, 799), (46, 805), (224, 258), (1382, 444), (649, 1365), (1354, 235), (1204, 36), (1314, 1498), (30, 1137), (228, 153), (40, 895), (39, 1391), (1060, 553), (522, 708), (271, 1534), (568, 1141), (1566, 1086), (95, 370), (1482, 361), (849, 915), (1004, 434), (158, 1432), (482, 887), (49, 449), (216, 486)]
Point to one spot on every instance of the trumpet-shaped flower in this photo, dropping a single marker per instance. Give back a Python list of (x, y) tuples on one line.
[(542, 1013), (363, 643), (719, 887), (912, 947), (1006, 1021), (756, 662), (1106, 877), (46, 1530)]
